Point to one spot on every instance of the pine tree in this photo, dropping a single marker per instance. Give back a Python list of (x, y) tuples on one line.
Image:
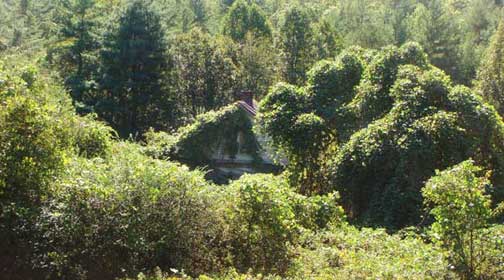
[(199, 12), (134, 61), (75, 55), (431, 26), (365, 23), (480, 22), (490, 82)]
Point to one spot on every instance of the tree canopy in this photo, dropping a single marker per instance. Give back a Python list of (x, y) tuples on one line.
[(392, 122), (384, 119)]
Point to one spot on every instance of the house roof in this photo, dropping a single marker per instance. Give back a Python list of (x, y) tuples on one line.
[(252, 110)]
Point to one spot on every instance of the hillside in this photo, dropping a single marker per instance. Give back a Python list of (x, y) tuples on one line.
[(370, 132)]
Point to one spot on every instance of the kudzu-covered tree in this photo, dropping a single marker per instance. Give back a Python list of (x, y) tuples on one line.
[(392, 119)]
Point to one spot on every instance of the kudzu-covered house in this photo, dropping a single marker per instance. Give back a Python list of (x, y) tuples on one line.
[(225, 143)]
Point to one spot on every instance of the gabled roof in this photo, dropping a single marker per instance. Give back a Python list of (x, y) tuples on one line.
[(252, 110)]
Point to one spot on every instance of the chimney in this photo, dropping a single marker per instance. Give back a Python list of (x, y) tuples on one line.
[(247, 96)]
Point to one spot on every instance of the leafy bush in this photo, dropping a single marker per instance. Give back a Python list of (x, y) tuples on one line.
[(345, 252), (462, 211), (263, 223), (35, 143), (93, 138), (32, 149), (267, 217), (130, 213), (160, 144)]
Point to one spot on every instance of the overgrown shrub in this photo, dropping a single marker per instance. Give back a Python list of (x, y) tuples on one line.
[(266, 218), (35, 143), (197, 142), (462, 209), (92, 138), (345, 252), (130, 213), (160, 144)]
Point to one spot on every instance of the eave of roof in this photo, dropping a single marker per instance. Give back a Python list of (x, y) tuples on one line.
[(249, 109)]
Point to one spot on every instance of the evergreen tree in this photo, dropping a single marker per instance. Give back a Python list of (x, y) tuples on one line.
[(199, 12), (490, 82), (480, 21), (397, 12), (134, 61), (431, 26), (296, 43), (75, 55)]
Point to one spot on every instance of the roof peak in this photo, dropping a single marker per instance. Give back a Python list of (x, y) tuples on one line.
[(252, 110)]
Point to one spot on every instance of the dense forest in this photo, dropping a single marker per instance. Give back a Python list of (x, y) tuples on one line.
[(385, 120)]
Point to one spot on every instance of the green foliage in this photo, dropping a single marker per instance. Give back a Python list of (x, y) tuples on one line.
[(116, 217), (349, 253), (134, 96), (32, 150), (39, 134), (388, 121), (264, 222), (296, 44), (462, 210), (75, 54), (480, 21), (364, 23), (490, 80), (432, 27), (160, 144), (402, 149), (93, 138), (278, 113), (257, 65), (327, 40), (332, 83), (372, 99), (34, 140), (205, 72), (267, 216), (197, 142), (373, 125), (243, 18)]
